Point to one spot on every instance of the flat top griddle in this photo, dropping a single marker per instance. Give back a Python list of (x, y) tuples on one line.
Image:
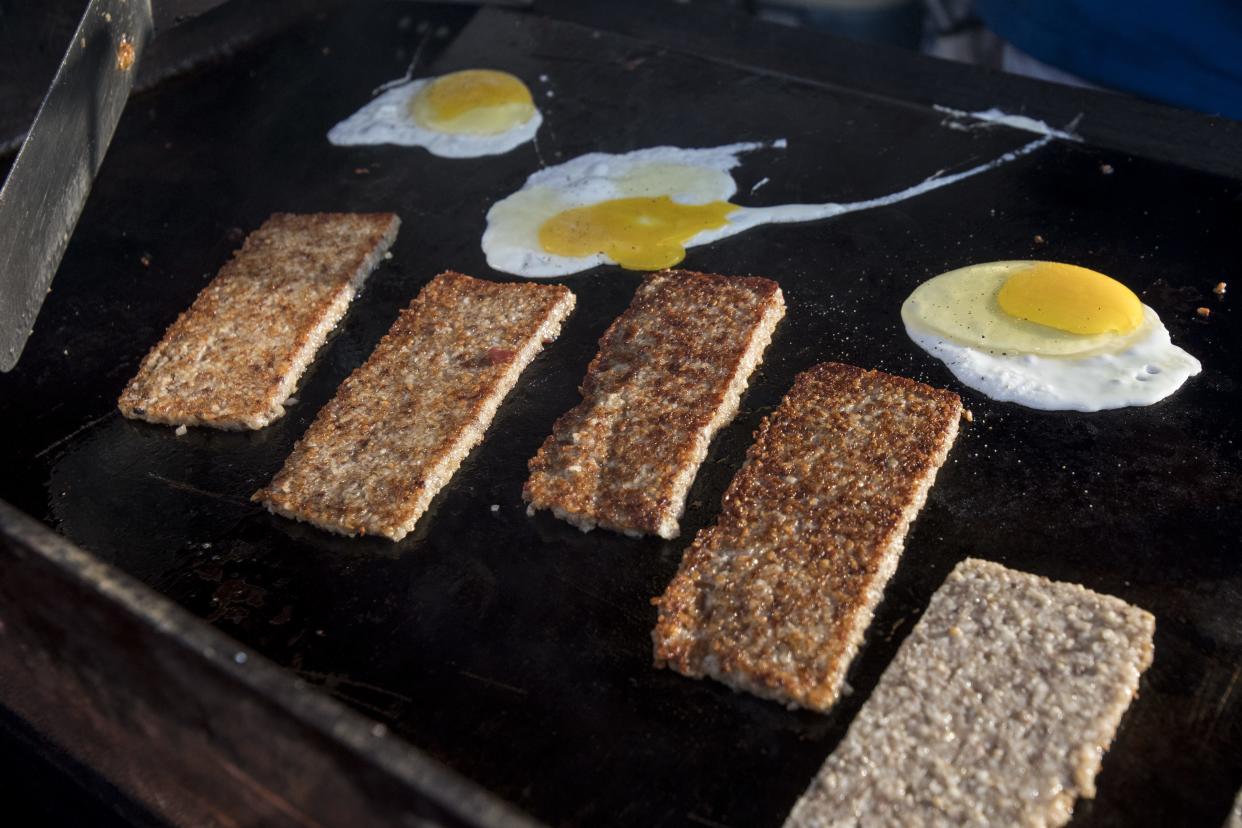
[(516, 649)]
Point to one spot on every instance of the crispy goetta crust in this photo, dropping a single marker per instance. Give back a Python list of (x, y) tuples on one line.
[(669, 374), (401, 424), (775, 597), (232, 359)]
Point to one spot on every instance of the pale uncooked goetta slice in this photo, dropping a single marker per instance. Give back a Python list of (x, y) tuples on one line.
[(997, 709)]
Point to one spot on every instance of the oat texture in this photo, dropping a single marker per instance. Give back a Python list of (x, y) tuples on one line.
[(669, 374), (775, 597), (236, 355), (401, 424), (997, 709)]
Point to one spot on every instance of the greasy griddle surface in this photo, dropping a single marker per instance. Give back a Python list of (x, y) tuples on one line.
[(517, 650)]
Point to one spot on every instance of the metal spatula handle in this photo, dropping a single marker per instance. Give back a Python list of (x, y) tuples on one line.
[(52, 175)]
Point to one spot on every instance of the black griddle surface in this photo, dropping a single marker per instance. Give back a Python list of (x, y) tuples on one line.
[(517, 649)]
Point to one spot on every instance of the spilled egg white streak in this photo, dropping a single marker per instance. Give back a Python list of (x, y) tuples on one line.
[(511, 241), (998, 117), (748, 217)]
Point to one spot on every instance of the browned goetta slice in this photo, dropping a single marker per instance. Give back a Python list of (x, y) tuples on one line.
[(669, 374), (236, 355), (401, 424), (997, 709), (775, 597)]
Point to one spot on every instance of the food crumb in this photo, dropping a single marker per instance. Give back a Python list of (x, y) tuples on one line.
[(145, 259), (361, 171), (1106, 169), (500, 356), (1204, 312), (388, 255), (968, 414), (125, 54), (181, 431), (495, 507), (1219, 290), (240, 657), (1039, 239)]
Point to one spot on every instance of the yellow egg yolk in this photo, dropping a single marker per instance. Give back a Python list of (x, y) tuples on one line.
[(1070, 298), (636, 233), (473, 102)]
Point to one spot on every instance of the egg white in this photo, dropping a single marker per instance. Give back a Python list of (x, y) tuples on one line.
[(386, 120), (688, 176), (1142, 368)]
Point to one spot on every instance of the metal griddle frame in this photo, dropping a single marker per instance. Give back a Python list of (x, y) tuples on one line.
[(178, 717)]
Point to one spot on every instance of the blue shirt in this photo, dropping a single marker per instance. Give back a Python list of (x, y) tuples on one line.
[(1183, 52)]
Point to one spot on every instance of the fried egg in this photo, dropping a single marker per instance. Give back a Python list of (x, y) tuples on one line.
[(642, 209), (459, 115), (1047, 335)]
